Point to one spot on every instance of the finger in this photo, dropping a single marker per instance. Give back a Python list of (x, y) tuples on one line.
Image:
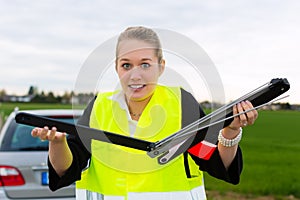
[(235, 124), (35, 132), (235, 110), (242, 117), (250, 114), (52, 133), (64, 134), (254, 112), (44, 133)]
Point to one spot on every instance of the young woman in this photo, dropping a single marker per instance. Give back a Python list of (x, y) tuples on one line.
[(146, 110)]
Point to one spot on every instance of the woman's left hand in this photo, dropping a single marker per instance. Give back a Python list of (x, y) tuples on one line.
[(232, 131), (243, 119)]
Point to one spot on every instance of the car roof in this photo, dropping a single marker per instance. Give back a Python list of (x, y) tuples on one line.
[(56, 112)]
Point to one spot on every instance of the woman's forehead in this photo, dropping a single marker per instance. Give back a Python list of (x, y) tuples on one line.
[(129, 46)]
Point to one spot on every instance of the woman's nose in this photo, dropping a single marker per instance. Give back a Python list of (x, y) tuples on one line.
[(135, 73)]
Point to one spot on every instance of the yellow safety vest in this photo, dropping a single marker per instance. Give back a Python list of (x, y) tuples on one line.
[(117, 171)]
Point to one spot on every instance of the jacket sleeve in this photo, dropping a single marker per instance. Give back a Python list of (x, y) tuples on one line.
[(214, 166), (81, 157)]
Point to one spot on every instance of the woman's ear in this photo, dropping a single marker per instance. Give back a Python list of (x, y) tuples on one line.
[(162, 66), (116, 65)]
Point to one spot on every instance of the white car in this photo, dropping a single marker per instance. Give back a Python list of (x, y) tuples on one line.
[(23, 159)]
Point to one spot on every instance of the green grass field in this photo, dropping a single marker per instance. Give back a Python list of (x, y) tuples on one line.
[(6, 108), (271, 151)]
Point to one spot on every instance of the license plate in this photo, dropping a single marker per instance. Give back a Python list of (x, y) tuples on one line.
[(44, 178)]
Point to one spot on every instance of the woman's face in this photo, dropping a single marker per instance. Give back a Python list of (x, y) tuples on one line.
[(138, 69)]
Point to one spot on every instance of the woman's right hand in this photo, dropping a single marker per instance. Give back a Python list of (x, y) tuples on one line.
[(45, 134), (60, 155)]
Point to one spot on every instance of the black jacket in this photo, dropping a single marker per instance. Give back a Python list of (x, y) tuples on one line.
[(191, 111)]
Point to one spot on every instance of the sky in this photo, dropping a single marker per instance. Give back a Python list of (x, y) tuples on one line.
[(46, 43)]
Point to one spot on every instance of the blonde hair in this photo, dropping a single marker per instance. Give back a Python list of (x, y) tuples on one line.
[(143, 34)]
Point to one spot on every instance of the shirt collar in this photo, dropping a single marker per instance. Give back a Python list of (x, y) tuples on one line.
[(120, 98)]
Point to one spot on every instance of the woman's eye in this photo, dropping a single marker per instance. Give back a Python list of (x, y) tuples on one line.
[(145, 65), (126, 65)]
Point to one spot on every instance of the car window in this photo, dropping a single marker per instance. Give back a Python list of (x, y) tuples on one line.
[(18, 138), (23, 140)]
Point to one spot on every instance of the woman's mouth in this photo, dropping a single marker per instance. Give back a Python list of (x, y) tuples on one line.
[(136, 86)]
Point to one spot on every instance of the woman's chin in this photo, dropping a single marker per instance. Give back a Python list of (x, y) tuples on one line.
[(140, 97), (137, 98)]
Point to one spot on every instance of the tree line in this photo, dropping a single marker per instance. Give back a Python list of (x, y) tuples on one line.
[(34, 96)]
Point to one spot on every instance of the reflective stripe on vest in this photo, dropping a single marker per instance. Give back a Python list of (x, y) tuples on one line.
[(120, 171), (197, 193)]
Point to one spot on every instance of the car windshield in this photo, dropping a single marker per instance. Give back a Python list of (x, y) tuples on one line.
[(20, 138)]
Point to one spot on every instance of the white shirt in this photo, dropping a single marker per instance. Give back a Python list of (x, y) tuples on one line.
[(120, 98)]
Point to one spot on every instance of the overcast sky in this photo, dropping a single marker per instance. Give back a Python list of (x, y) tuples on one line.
[(45, 43)]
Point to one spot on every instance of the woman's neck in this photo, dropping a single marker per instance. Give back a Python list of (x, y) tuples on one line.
[(136, 108)]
